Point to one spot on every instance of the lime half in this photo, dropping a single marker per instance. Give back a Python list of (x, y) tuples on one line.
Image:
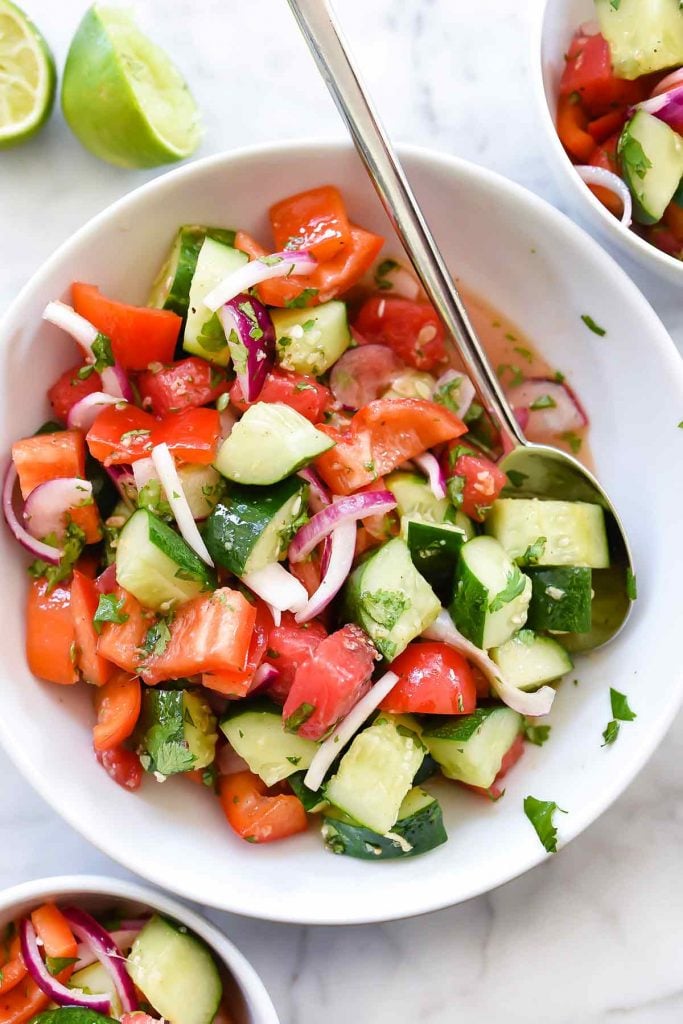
[(122, 96), (27, 77)]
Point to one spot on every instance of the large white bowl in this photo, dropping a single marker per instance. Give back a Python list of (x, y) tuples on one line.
[(544, 272), (556, 24), (246, 998)]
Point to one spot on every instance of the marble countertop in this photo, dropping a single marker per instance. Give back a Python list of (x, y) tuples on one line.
[(595, 933)]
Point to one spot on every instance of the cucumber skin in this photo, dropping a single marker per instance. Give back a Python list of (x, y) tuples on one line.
[(174, 547), (164, 710), (433, 560), (424, 831), (469, 606), (189, 239), (570, 614)]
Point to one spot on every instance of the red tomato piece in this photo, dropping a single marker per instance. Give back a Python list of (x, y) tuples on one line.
[(139, 335), (183, 385), (329, 683), (307, 572), (118, 708), (50, 636), (11, 973), (315, 220), (69, 389), (412, 329), (122, 765), (305, 394), (210, 633), (433, 679), (121, 435), (192, 435), (482, 482), (510, 758), (572, 124), (339, 274), (53, 930), (588, 74), (602, 127), (237, 682), (290, 644), (121, 642), (84, 600), (254, 814), (48, 456), (279, 291), (381, 436)]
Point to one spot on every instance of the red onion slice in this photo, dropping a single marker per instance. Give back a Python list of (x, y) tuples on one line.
[(124, 481), (114, 380), (319, 496), (667, 105), (552, 409), (282, 591), (607, 179), (278, 264), (341, 550), (346, 729), (668, 82), (116, 383), (106, 581), (47, 504), (362, 374), (228, 419), (251, 340), (83, 414), (124, 939), (356, 506), (88, 931), (456, 391), (46, 552), (264, 675), (175, 495), (429, 465), (55, 990)]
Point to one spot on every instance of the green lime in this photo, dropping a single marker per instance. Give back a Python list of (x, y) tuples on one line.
[(27, 77), (123, 98)]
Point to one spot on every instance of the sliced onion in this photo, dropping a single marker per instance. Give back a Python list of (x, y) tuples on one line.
[(251, 340), (106, 581), (319, 496), (264, 675), (532, 704), (346, 729), (668, 82), (609, 180), (263, 268), (47, 505), (144, 470), (175, 495), (429, 465), (228, 419), (46, 552), (276, 613), (132, 924), (47, 983), (340, 552), (114, 379), (356, 506), (123, 479), (564, 415), (459, 390), (667, 106), (278, 588), (83, 414), (124, 939), (364, 373), (116, 383), (88, 931)]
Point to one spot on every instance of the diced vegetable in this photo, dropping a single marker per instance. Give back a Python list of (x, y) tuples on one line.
[(471, 749), (411, 329), (256, 815), (310, 341), (256, 731), (176, 731), (573, 532), (528, 660), (418, 829), (642, 37), (433, 679), (491, 594)]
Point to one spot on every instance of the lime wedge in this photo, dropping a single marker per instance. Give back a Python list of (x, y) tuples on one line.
[(27, 77), (123, 98)]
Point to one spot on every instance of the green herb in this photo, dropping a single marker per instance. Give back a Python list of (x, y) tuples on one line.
[(473, 413), (216, 377), (510, 336), (369, 466), (620, 708), (301, 301), (152, 497), (455, 486), (303, 386), (451, 727), (294, 760), (52, 427), (56, 964), (680, 425), (101, 349), (156, 638), (72, 546), (299, 717), (543, 402), (610, 733), (166, 753), (572, 440), (516, 375), (525, 353), (212, 336), (559, 377), (516, 582), (448, 395), (592, 326), (210, 777), (540, 814), (385, 606), (130, 435), (631, 584), (385, 267), (525, 636), (270, 261), (109, 610), (615, 4), (255, 331), (534, 552), (536, 734), (516, 478)]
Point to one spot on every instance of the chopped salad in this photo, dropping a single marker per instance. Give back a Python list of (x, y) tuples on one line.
[(620, 114), (271, 535)]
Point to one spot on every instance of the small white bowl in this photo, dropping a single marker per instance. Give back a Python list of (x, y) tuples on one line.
[(557, 22), (247, 1000)]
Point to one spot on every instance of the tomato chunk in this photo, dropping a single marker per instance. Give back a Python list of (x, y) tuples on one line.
[(308, 396), (254, 814), (50, 635), (290, 644), (121, 642), (412, 329), (572, 125), (121, 435), (11, 973), (329, 683), (69, 389), (118, 708), (84, 600), (237, 682), (122, 765), (183, 385), (139, 335), (279, 291), (48, 456), (588, 77), (192, 435), (315, 220), (433, 679), (53, 929), (339, 274), (481, 482)]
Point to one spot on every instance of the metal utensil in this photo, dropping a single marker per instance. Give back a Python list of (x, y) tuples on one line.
[(545, 472)]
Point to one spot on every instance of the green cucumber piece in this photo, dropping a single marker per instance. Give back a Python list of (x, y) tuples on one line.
[(411, 384), (72, 1015), (528, 660), (176, 973), (389, 599), (491, 594), (255, 730), (418, 829), (203, 486), (375, 774), (314, 803), (310, 341), (470, 748), (561, 598), (97, 979), (171, 287), (573, 532), (434, 549), (651, 160), (176, 731), (270, 441), (642, 37), (204, 335), (155, 564), (253, 526), (414, 498)]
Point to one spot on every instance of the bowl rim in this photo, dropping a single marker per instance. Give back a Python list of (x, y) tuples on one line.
[(642, 250), (659, 339), (253, 989)]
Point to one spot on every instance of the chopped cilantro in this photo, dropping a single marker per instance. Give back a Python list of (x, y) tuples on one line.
[(455, 486), (516, 477), (534, 552), (592, 326), (72, 545), (384, 268), (385, 606), (540, 814), (620, 708), (448, 395), (156, 639), (680, 425), (130, 435), (212, 336), (516, 375), (543, 402), (559, 377), (610, 732), (631, 584), (301, 301), (303, 386), (210, 777), (573, 440), (516, 582), (525, 353), (299, 717), (101, 349), (109, 610), (615, 4), (271, 261), (56, 964), (294, 760), (536, 734)]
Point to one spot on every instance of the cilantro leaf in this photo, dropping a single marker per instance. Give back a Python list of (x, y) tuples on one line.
[(301, 301), (109, 610), (56, 964), (101, 349), (449, 396), (212, 336), (540, 814), (385, 606), (536, 734), (633, 156), (384, 268), (615, 4), (534, 552), (516, 375), (543, 402), (620, 708), (592, 326), (72, 546), (156, 639), (299, 717), (516, 581), (572, 440), (610, 733)]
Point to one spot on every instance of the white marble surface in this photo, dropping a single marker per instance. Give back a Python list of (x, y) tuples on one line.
[(595, 934)]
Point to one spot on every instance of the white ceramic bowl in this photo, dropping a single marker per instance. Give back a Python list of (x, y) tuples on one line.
[(544, 272), (556, 24), (246, 997)]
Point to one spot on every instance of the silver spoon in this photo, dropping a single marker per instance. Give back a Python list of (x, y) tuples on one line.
[(546, 472)]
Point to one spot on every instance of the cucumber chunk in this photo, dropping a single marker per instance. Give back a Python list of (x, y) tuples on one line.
[(561, 599), (176, 973), (171, 287), (253, 526), (270, 441), (203, 486), (651, 161), (389, 599), (527, 660), (573, 531), (642, 36), (256, 731), (72, 1015), (434, 549), (97, 979), (491, 595), (176, 731), (155, 564), (310, 341), (414, 498), (204, 335), (470, 748), (418, 829), (375, 774)]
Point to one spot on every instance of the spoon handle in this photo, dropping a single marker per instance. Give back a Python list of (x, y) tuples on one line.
[(323, 35)]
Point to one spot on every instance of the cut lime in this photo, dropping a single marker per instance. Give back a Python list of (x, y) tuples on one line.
[(123, 98), (27, 77)]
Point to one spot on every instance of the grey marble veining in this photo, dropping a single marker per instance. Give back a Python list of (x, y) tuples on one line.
[(594, 936)]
